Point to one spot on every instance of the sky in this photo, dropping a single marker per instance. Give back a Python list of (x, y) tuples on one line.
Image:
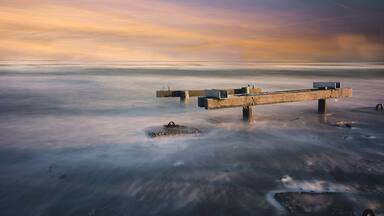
[(192, 30)]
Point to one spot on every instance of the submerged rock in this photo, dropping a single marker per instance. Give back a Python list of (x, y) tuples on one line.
[(327, 203), (368, 136), (171, 129), (347, 124), (310, 203), (63, 176)]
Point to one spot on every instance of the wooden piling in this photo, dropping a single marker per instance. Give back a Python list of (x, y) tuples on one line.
[(322, 106), (247, 113)]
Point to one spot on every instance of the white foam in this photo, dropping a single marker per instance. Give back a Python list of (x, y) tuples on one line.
[(178, 163), (320, 186)]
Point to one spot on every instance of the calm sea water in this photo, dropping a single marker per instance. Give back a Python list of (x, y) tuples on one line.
[(73, 142)]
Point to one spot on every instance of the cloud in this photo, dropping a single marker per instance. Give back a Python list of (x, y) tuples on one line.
[(161, 30)]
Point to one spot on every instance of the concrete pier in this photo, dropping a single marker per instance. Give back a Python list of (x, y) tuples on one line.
[(248, 100), (273, 98), (186, 94), (179, 93), (246, 97)]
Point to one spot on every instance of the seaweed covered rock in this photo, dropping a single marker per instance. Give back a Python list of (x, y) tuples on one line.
[(171, 129), (322, 203)]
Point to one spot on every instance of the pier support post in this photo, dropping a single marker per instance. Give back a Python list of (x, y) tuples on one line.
[(322, 106), (245, 90), (247, 113), (184, 96)]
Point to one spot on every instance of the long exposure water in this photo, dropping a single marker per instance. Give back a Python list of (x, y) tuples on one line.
[(73, 142)]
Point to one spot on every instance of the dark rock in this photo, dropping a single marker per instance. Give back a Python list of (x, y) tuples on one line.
[(312, 203), (171, 129), (368, 212), (379, 107)]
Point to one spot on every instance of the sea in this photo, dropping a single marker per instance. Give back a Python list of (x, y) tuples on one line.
[(73, 141)]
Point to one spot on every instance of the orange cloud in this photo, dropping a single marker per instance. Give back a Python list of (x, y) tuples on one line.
[(163, 32)]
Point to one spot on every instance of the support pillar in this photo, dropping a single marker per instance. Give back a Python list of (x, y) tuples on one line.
[(247, 113), (245, 90), (322, 106), (184, 96)]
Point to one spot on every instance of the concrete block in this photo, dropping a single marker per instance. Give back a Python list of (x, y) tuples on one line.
[(326, 85), (215, 93)]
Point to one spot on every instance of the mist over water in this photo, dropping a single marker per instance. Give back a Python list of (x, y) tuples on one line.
[(73, 142)]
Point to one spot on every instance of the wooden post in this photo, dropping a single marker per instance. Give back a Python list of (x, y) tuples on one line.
[(322, 106), (247, 113), (184, 96)]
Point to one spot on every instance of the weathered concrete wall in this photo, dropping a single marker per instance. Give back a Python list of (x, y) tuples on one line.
[(197, 93), (274, 97)]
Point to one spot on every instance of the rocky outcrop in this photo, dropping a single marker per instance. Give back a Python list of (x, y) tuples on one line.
[(171, 129)]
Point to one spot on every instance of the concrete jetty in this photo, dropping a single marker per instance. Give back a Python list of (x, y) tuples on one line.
[(186, 94), (321, 92)]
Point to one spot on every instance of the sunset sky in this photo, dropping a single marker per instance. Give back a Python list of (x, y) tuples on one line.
[(192, 30)]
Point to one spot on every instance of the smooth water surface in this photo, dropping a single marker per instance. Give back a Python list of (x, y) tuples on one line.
[(73, 142)]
